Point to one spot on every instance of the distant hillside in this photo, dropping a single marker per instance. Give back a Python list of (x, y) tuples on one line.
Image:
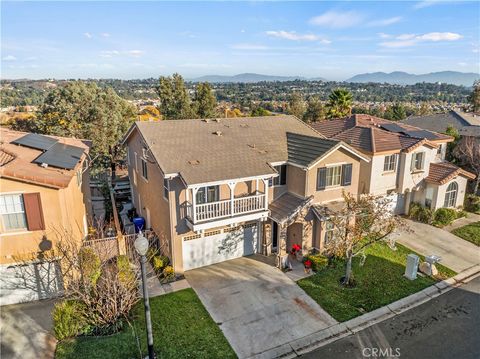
[(246, 77), (404, 78)]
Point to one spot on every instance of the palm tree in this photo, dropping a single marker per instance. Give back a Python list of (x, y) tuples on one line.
[(340, 103)]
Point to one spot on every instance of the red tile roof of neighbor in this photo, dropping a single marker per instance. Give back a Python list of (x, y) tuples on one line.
[(365, 133), (16, 161), (441, 173)]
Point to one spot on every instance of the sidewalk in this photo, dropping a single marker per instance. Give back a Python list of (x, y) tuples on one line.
[(333, 333), (155, 288)]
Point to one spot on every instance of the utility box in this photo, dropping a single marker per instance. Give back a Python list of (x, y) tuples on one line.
[(412, 266)]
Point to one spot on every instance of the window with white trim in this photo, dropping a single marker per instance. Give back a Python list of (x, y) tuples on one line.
[(328, 231), (334, 176), (208, 194), (12, 210), (451, 195), (144, 168), (281, 179), (390, 163), (418, 160), (166, 188)]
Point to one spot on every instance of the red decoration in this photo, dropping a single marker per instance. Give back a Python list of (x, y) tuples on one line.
[(308, 263)]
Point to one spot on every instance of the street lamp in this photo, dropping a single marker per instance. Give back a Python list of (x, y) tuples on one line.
[(141, 246)]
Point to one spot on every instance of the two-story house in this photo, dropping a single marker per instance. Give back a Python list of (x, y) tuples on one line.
[(44, 193), (406, 162), (217, 189)]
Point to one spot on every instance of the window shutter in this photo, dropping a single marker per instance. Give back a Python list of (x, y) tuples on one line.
[(347, 174), (33, 211), (422, 160), (412, 164), (321, 178)]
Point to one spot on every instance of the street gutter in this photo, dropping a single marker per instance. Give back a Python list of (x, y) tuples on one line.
[(338, 331)]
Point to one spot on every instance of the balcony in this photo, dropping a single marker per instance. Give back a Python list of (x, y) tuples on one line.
[(237, 207)]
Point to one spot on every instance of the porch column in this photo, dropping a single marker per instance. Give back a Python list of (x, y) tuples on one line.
[(194, 203), (265, 186), (231, 185)]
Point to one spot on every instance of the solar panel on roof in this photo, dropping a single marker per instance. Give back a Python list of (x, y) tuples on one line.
[(421, 134), (36, 141), (61, 155), (392, 127)]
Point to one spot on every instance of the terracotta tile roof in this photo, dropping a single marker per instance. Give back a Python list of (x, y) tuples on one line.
[(5, 157), (366, 134), (203, 151), (22, 168), (441, 173)]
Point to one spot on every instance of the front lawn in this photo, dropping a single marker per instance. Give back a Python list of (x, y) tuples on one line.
[(182, 328), (379, 282), (470, 232)]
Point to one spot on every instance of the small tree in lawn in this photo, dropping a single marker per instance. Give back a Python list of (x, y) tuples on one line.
[(467, 152), (359, 224)]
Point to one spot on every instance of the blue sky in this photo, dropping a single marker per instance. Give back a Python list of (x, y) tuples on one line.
[(334, 40)]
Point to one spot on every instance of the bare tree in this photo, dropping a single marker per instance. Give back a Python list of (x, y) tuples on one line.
[(359, 224), (468, 153)]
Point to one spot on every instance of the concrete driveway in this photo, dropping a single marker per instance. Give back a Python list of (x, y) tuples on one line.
[(256, 306), (26, 330), (456, 253)]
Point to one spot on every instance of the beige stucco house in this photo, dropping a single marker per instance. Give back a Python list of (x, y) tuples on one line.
[(44, 191), (216, 189), (406, 162)]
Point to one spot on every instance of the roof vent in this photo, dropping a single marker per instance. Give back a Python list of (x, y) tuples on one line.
[(218, 133), (244, 125), (207, 120), (216, 119), (44, 165), (194, 162), (252, 145)]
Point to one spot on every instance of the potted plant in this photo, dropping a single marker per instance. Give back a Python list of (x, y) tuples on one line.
[(296, 249), (308, 266)]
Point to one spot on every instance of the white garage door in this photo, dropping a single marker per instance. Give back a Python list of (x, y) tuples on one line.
[(26, 283), (218, 246)]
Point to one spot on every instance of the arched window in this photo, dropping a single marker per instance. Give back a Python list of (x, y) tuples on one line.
[(451, 195)]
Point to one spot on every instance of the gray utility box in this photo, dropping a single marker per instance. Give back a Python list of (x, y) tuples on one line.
[(412, 266)]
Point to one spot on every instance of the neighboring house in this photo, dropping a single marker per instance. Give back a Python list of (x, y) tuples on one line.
[(467, 124), (406, 162), (44, 191), (217, 189)]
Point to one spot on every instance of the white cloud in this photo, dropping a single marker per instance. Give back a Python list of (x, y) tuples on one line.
[(246, 46), (9, 58), (87, 35), (292, 35), (406, 40), (384, 36), (136, 53), (204, 66), (424, 4), (242, 31), (337, 20), (384, 22), (109, 53), (105, 34), (463, 64)]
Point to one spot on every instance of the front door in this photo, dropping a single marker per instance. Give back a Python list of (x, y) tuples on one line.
[(274, 236)]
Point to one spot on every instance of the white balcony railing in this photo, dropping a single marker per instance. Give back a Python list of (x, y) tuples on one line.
[(226, 208)]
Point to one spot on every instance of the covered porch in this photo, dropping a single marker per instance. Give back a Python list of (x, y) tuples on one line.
[(226, 202)]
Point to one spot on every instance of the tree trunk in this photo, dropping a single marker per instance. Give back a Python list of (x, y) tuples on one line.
[(348, 268), (477, 185)]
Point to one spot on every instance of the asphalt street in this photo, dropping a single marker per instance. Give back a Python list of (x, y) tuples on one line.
[(447, 327)]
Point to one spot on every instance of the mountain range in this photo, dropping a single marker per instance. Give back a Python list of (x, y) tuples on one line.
[(397, 77)]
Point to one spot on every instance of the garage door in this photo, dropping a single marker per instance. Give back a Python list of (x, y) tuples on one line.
[(26, 283), (219, 245)]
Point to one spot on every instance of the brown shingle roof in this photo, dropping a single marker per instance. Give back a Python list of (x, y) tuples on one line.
[(243, 149), (365, 133), (441, 173), (22, 168)]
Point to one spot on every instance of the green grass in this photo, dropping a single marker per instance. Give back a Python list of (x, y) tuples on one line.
[(182, 328), (470, 232), (379, 282)]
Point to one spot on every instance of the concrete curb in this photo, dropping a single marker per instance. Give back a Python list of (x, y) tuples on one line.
[(338, 331)]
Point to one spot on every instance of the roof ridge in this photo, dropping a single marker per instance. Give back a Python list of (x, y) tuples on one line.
[(309, 127)]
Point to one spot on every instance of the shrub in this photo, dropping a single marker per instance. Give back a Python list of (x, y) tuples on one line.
[(69, 319), (461, 214), (158, 263), (165, 260), (125, 271), (419, 213), (318, 261), (472, 203), (444, 216), (90, 265), (168, 273)]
